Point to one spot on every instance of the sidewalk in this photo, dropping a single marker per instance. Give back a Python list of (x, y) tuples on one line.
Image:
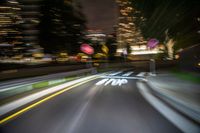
[(180, 94)]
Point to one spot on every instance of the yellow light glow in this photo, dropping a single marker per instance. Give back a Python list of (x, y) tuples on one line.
[(13, 2), (120, 50), (38, 55), (5, 7), (1, 13), (16, 8), (63, 54), (177, 56)]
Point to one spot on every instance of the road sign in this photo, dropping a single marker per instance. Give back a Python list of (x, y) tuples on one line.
[(152, 43), (105, 49), (87, 49)]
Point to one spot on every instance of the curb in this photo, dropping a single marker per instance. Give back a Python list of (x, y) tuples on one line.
[(28, 99), (178, 104), (175, 117), (10, 89)]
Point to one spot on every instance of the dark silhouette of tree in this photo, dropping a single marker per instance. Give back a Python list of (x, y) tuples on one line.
[(173, 19), (111, 44)]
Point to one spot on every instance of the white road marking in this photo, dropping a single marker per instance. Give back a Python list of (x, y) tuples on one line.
[(127, 74), (109, 81), (102, 82), (82, 111), (113, 74), (112, 82), (141, 74), (120, 77)]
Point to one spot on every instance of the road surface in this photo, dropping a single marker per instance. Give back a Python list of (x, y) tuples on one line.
[(104, 105)]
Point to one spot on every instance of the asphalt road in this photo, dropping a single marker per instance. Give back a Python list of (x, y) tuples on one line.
[(106, 107)]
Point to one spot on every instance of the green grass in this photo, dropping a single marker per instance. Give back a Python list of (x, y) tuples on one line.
[(46, 83), (188, 76), (40, 85), (24, 91), (70, 78)]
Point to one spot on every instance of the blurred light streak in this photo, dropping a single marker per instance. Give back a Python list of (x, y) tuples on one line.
[(43, 100), (146, 52)]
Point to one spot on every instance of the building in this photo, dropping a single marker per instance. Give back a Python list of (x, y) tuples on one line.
[(30, 12), (19, 21), (129, 36), (96, 37), (10, 28)]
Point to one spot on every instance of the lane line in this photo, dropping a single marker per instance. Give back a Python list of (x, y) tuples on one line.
[(121, 77), (82, 111), (42, 101), (141, 74)]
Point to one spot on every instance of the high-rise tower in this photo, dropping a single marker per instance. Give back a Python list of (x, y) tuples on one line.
[(31, 19), (129, 36), (10, 31)]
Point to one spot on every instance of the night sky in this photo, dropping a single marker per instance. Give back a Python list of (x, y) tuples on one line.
[(100, 14)]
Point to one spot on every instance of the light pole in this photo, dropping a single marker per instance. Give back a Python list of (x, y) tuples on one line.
[(152, 43)]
